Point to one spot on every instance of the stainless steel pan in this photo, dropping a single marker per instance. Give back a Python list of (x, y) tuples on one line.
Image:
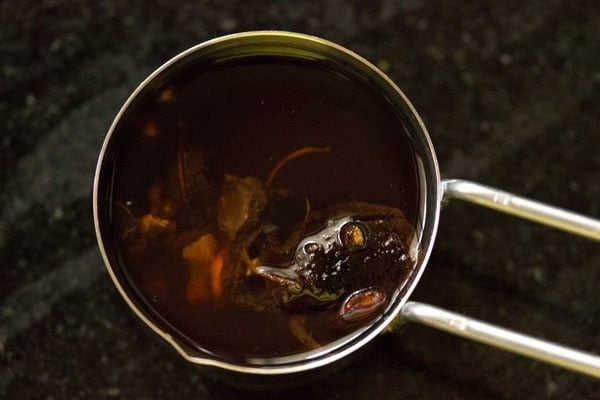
[(434, 193)]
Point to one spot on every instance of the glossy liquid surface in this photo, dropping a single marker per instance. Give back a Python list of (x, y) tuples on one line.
[(207, 141)]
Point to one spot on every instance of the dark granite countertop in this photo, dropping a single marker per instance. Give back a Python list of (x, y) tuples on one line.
[(510, 93)]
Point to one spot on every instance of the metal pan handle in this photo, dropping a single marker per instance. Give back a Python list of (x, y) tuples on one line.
[(522, 207), (489, 334)]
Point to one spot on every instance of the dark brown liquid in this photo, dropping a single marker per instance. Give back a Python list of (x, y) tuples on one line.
[(241, 118)]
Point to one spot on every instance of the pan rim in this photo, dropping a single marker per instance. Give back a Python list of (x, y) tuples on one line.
[(348, 344)]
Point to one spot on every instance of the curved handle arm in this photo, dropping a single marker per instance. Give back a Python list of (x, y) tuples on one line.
[(522, 207), (502, 338), (493, 335)]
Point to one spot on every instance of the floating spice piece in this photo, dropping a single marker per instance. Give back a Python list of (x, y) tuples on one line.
[(241, 201), (362, 304), (353, 236), (150, 221), (159, 216), (206, 262)]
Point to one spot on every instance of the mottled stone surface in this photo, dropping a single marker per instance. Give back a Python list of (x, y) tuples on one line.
[(509, 91)]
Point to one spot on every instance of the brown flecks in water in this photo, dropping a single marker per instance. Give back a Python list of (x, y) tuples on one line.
[(151, 129), (167, 95), (149, 221)]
